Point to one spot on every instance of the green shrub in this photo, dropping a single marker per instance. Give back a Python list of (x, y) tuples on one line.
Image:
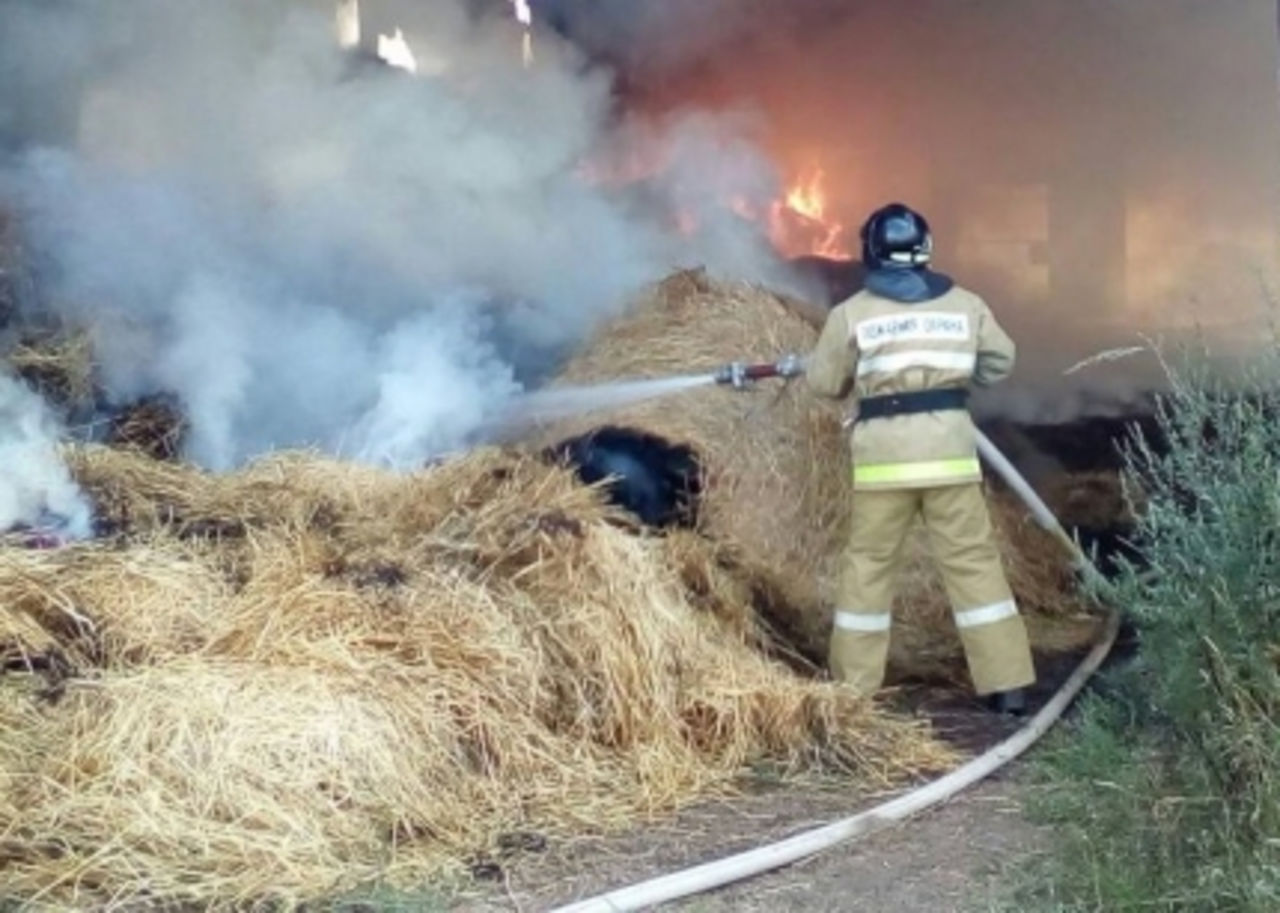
[(1164, 791)]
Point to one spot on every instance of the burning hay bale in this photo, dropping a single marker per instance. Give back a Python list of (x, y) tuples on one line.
[(776, 485), (308, 674)]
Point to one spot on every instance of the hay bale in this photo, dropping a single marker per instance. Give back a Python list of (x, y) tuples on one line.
[(380, 675), (777, 485)]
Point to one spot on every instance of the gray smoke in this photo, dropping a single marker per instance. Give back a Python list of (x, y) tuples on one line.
[(1098, 169), (310, 249), (35, 488)]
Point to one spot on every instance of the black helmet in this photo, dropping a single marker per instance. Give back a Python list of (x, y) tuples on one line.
[(896, 237)]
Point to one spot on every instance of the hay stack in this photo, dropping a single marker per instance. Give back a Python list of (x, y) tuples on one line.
[(776, 496), (308, 674)]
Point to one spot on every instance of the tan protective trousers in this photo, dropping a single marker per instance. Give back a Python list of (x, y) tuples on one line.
[(962, 542)]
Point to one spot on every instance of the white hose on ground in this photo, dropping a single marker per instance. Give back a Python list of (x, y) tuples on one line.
[(725, 871)]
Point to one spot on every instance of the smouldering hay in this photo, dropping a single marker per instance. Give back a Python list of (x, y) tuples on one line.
[(58, 365), (153, 425), (1094, 500), (375, 675), (777, 493)]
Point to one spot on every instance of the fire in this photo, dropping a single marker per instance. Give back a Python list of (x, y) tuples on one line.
[(395, 50), (799, 223)]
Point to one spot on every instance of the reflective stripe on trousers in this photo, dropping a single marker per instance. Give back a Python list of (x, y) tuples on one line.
[(867, 623)]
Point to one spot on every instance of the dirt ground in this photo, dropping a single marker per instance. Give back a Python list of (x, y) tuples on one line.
[(949, 859)]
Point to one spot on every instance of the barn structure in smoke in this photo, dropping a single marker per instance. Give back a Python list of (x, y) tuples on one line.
[(1096, 169)]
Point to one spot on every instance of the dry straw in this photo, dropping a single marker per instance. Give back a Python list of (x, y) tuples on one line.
[(307, 674), (276, 684)]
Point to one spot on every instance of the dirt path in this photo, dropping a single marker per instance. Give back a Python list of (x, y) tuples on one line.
[(950, 860), (947, 859), (956, 858)]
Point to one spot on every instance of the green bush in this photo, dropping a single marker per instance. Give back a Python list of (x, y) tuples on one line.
[(1164, 791)]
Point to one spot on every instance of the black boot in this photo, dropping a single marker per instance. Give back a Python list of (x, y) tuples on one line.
[(1010, 703)]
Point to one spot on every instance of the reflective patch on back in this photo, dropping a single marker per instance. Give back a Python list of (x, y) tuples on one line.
[(929, 325)]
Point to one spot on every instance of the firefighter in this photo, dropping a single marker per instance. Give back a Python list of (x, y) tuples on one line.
[(909, 346)]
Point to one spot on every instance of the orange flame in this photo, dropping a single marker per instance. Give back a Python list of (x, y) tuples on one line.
[(799, 224)]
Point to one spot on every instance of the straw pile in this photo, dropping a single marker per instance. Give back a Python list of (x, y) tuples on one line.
[(775, 500), (273, 685)]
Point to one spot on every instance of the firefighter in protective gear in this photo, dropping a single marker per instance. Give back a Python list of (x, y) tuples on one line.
[(909, 346)]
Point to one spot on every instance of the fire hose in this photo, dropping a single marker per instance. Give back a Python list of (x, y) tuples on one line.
[(740, 866)]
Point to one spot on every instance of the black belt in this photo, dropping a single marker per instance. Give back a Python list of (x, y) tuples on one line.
[(912, 403)]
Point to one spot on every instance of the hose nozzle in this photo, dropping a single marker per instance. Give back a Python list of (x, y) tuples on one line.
[(738, 373)]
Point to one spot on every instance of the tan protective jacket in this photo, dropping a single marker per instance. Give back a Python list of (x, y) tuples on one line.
[(879, 346)]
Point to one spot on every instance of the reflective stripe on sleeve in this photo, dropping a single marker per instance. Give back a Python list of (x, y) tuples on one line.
[(917, 472), (987, 614), (867, 624), (917, 358)]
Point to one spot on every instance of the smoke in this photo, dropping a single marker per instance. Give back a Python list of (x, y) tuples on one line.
[(1098, 170), (35, 488), (311, 249)]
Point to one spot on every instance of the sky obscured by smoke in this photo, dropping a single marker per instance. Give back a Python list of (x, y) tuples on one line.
[(310, 250), (1096, 168)]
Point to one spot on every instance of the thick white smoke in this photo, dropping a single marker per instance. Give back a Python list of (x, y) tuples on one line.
[(311, 249), (35, 488)]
